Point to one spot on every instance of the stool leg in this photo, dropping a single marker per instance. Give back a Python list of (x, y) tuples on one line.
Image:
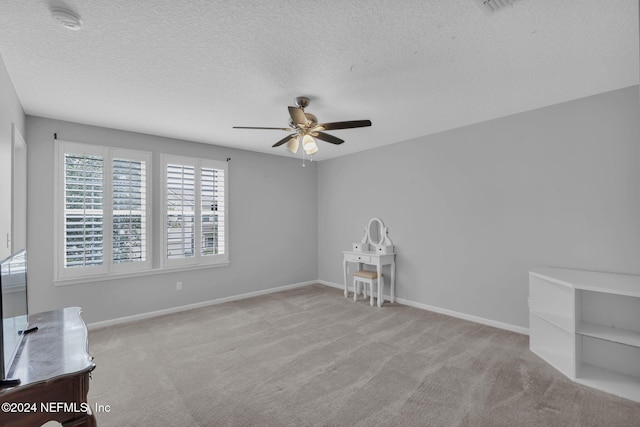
[(371, 300), (356, 285), (380, 286)]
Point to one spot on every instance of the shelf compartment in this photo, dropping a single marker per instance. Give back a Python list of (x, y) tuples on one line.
[(619, 311), (627, 386), (612, 356)]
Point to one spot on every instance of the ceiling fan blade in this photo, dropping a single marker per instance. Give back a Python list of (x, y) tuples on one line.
[(329, 138), (285, 139), (345, 125), (256, 127), (298, 117)]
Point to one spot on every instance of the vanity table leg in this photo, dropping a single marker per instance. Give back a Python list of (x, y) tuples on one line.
[(393, 282), (344, 269), (380, 284)]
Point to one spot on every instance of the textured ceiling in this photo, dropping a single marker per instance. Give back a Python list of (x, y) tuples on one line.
[(192, 69)]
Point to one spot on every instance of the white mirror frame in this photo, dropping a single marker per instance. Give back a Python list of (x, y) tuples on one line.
[(381, 231)]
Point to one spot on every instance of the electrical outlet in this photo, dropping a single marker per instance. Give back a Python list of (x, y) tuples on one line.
[(178, 286)]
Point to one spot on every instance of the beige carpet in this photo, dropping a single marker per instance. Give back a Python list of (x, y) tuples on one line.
[(308, 357)]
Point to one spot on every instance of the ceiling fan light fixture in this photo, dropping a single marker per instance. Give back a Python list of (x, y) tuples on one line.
[(311, 150), (293, 145), (309, 145)]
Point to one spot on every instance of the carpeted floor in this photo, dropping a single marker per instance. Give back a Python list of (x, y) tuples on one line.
[(308, 357)]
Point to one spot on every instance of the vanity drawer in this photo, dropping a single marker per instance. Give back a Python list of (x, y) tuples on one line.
[(357, 258), (360, 247)]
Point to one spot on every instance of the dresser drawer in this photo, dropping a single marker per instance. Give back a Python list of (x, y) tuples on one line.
[(357, 258)]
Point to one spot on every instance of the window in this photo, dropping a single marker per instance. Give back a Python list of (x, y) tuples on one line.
[(102, 207), (195, 213)]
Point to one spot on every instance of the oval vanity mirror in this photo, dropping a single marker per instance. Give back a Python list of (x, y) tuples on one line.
[(375, 231)]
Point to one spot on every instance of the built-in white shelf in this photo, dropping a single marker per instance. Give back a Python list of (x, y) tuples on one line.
[(609, 333), (587, 325)]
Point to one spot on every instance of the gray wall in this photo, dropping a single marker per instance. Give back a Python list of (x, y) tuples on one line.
[(273, 240), (10, 113), (471, 210)]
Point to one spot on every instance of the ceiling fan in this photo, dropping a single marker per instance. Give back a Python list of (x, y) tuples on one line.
[(305, 127)]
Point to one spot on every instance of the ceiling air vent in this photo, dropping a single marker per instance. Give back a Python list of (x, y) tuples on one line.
[(490, 6)]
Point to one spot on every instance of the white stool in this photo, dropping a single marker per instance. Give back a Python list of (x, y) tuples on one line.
[(367, 278)]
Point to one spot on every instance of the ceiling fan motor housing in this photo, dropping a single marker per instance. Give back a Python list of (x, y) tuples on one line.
[(302, 101), (313, 120)]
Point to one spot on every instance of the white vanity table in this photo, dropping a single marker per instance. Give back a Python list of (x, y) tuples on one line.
[(375, 249)]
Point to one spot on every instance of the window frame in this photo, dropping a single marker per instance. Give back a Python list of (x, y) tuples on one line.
[(108, 266), (198, 259)]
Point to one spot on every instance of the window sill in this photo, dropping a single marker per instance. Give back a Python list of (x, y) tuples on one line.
[(154, 271)]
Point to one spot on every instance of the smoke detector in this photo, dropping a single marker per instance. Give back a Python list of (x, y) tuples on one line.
[(490, 6), (67, 18)]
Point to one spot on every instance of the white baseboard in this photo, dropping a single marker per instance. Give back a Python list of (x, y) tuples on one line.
[(133, 318), (472, 318)]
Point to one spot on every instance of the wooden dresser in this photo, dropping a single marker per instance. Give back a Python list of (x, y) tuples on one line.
[(54, 366)]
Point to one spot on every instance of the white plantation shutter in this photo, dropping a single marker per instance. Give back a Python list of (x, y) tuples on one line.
[(212, 211), (180, 224), (102, 201), (83, 210), (129, 204), (195, 211)]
